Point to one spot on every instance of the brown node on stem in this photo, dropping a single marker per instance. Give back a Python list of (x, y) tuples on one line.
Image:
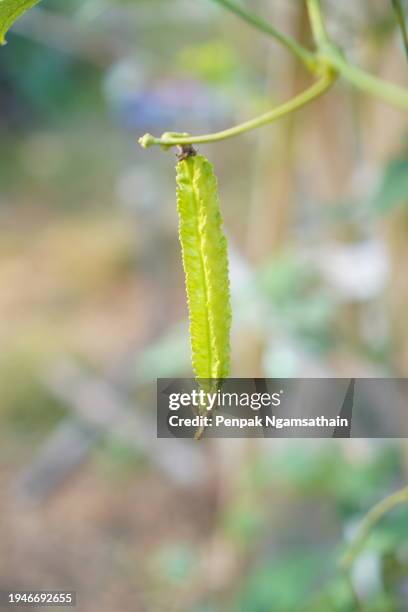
[(185, 151)]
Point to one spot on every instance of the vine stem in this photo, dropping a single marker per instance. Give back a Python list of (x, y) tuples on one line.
[(369, 522), (327, 60), (303, 54), (393, 94), (170, 139), (400, 15), (388, 92), (317, 24), (354, 597)]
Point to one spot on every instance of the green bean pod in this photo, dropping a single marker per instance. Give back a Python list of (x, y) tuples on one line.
[(205, 262)]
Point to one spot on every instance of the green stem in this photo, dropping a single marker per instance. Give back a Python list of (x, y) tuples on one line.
[(357, 606), (317, 24), (393, 94), (388, 92), (328, 61), (305, 56), (170, 139), (369, 522), (400, 15)]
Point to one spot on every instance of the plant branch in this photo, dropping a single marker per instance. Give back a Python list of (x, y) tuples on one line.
[(305, 56), (170, 139), (388, 92), (369, 522), (317, 24), (383, 90), (400, 15), (357, 606), (328, 61)]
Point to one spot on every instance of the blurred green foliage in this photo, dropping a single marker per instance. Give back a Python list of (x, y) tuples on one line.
[(393, 189), (214, 61), (26, 407), (299, 300)]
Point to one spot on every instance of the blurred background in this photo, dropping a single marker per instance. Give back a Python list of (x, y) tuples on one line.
[(93, 309)]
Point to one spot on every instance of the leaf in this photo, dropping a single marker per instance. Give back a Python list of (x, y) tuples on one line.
[(400, 15), (205, 261), (393, 189), (10, 10)]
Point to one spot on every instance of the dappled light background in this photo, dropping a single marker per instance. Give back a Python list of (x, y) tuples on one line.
[(92, 306)]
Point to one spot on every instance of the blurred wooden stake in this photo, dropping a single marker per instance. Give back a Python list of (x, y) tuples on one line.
[(100, 410), (397, 236)]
